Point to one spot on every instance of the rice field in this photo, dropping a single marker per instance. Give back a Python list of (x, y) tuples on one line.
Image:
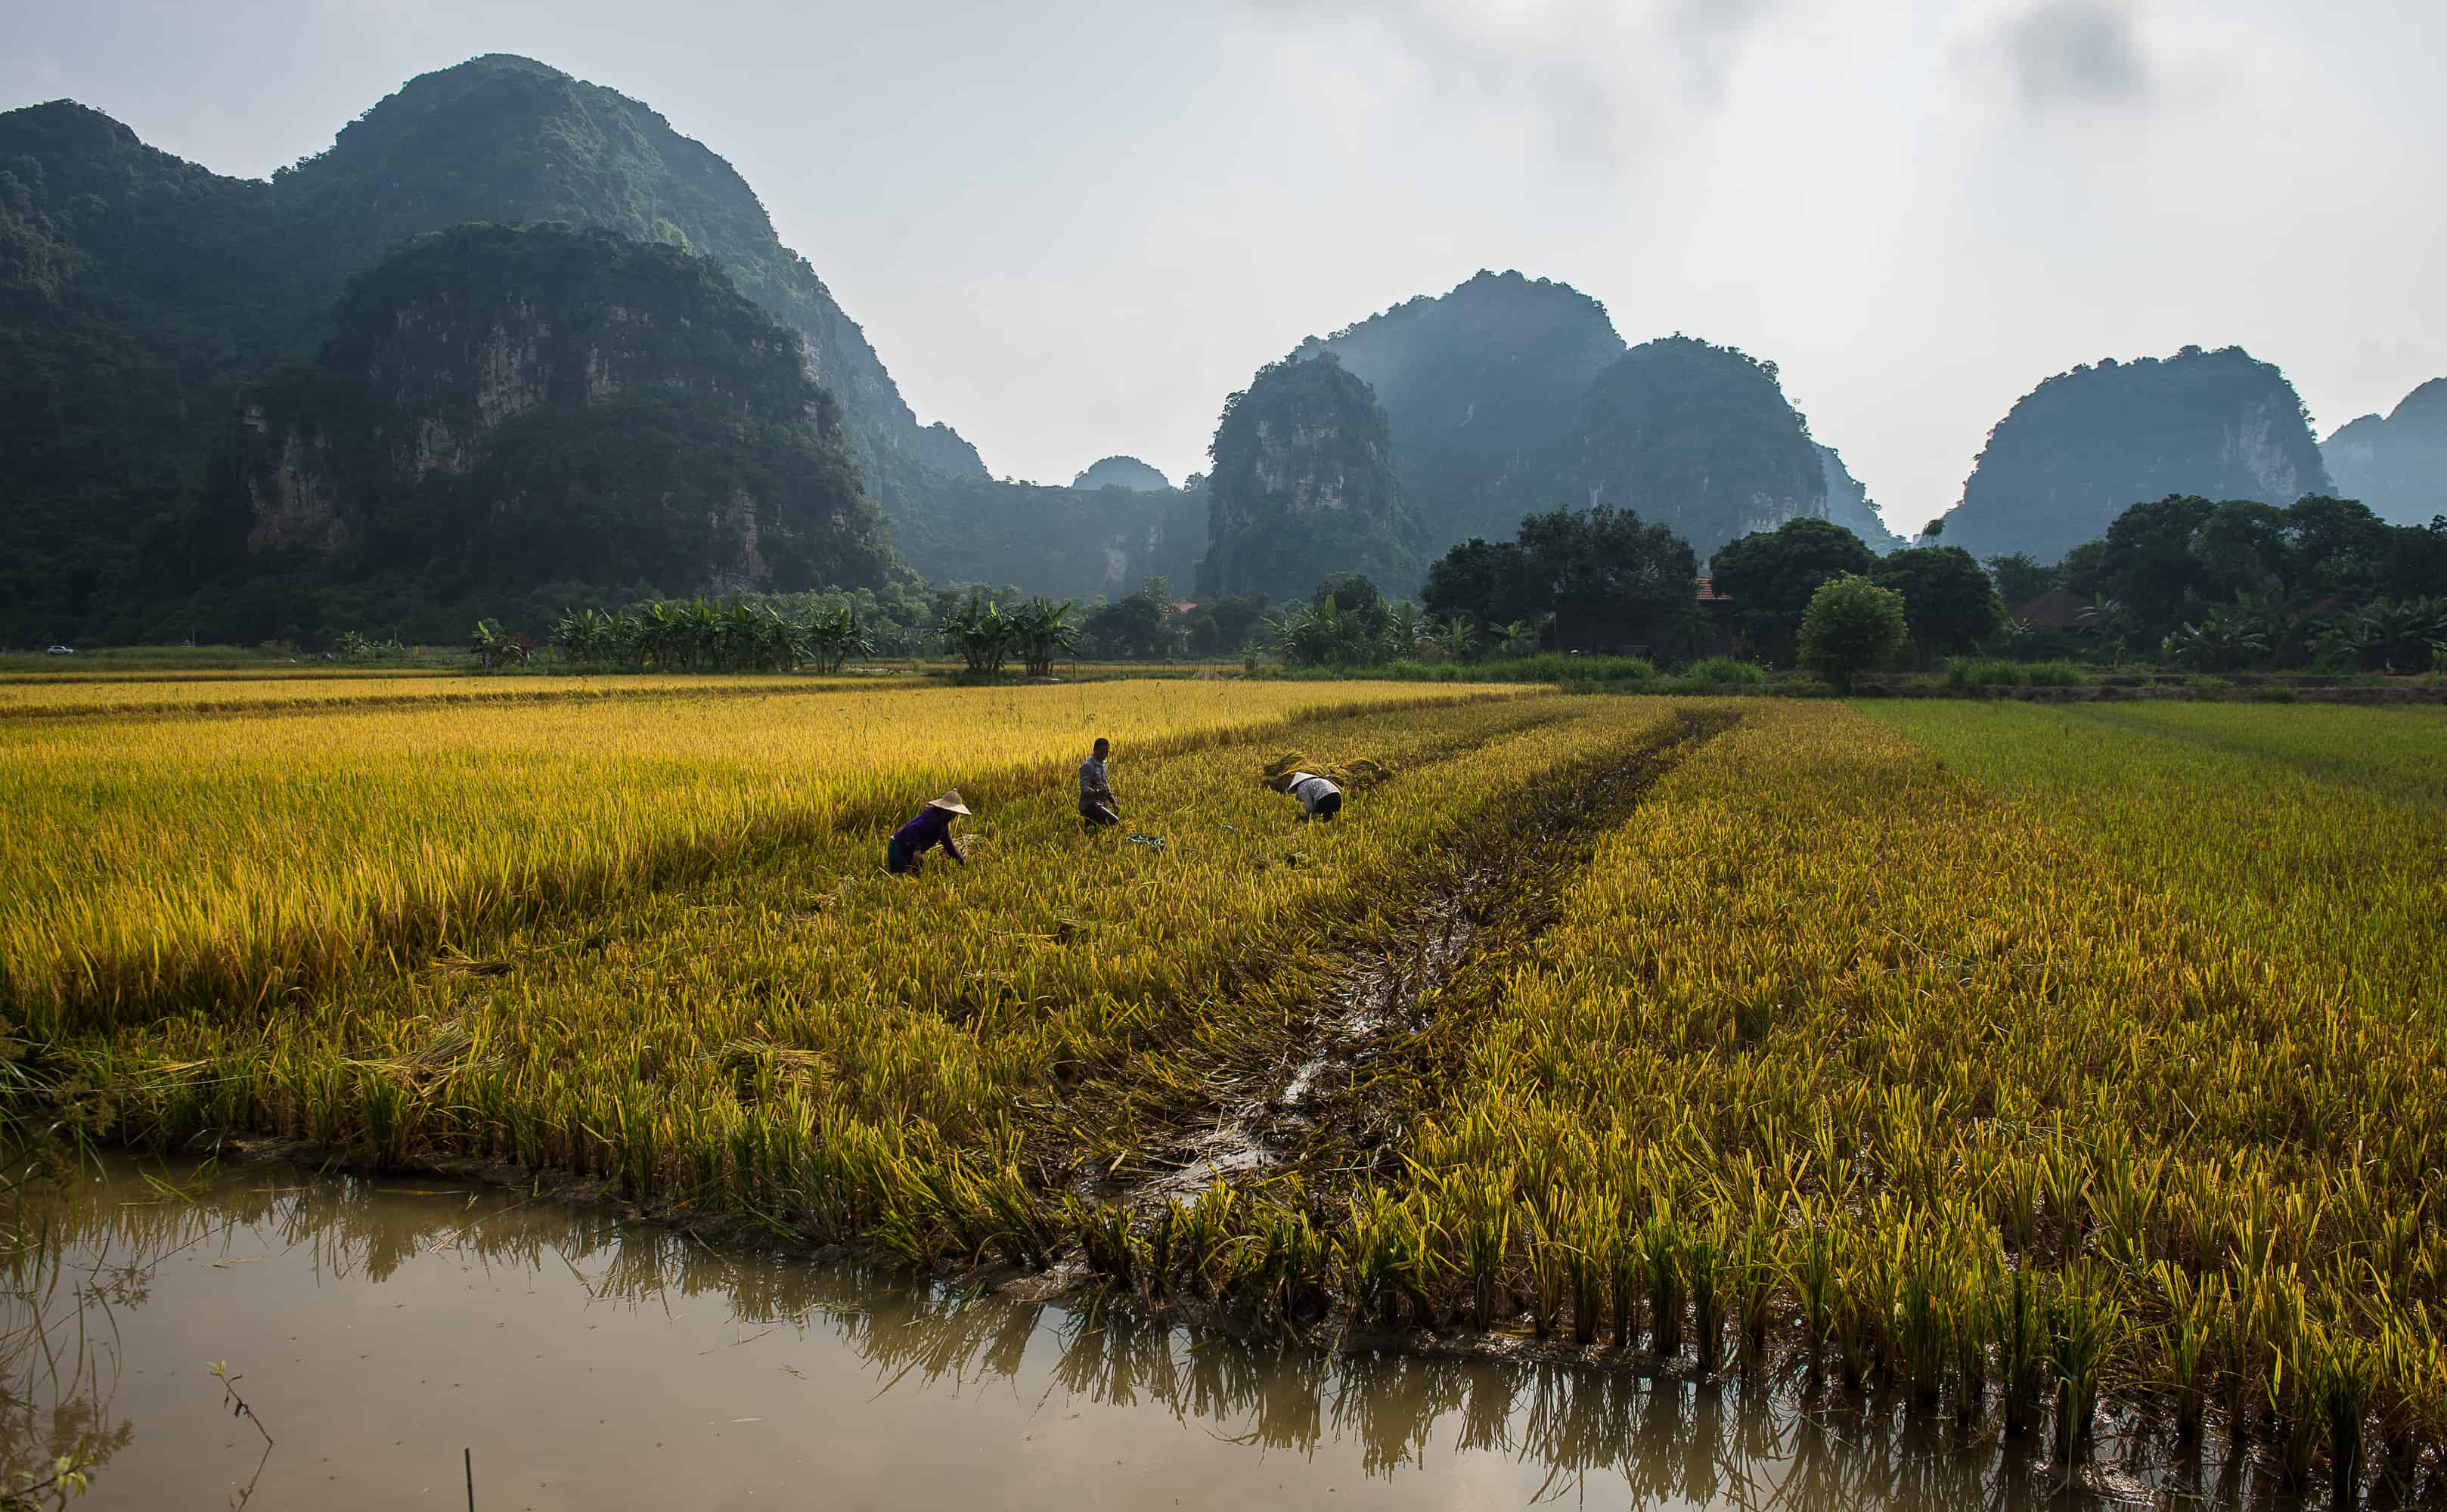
[(260, 693), (2014, 1060), (163, 862)]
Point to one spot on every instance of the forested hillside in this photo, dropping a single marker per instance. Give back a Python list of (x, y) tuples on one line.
[(1481, 386), (131, 302), (1700, 438), (2075, 451)]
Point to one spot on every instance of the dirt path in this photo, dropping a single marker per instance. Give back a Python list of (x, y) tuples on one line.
[(1352, 1044)]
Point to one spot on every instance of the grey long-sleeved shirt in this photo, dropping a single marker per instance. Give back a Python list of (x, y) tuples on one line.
[(1311, 790), (1095, 786)]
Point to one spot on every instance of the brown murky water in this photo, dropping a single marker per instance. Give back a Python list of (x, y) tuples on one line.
[(379, 1328)]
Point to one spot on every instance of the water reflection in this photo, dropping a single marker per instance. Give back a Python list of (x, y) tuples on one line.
[(1558, 1431)]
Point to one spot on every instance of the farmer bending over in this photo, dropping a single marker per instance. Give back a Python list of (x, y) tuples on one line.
[(932, 827), (1319, 798), (1096, 802)]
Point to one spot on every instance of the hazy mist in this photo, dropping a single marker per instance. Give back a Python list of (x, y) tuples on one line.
[(1070, 230)]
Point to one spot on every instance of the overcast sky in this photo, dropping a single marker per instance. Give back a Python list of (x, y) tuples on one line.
[(1071, 229)]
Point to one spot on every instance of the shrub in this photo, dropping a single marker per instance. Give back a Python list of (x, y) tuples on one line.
[(1983, 671), (1724, 669), (2056, 675), (1850, 626), (2274, 693), (2209, 688)]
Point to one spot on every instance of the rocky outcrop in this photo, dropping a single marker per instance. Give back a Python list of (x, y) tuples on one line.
[(1481, 386), (506, 139), (2087, 444), (1305, 485), (291, 486), (550, 403), (1123, 472), (2395, 465), (139, 294), (1699, 438)]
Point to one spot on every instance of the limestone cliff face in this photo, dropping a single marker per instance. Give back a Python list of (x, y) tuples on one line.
[(1700, 438), (2395, 465), (1305, 485), (2085, 445), (290, 485), (553, 403)]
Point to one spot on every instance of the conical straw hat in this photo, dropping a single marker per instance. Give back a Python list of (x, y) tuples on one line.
[(950, 799)]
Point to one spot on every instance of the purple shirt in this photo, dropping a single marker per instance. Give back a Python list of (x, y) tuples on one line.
[(929, 829)]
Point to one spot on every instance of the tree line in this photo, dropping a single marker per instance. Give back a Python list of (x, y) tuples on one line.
[(2219, 586), (2208, 586)]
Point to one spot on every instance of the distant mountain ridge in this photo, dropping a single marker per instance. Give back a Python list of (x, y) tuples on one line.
[(1509, 395), (1481, 385), (2396, 464)]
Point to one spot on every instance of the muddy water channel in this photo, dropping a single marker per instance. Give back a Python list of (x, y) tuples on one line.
[(389, 1336)]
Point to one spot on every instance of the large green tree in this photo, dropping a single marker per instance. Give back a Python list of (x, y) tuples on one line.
[(2020, 577), (1492, 582), (1771, 576), (1612, 580), (1949, 602)]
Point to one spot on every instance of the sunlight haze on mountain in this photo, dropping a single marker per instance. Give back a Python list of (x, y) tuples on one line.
[(1068, 231)]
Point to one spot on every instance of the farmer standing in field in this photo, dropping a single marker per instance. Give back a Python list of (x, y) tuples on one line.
[(932, 827), (1097, 805), (1319, 798)]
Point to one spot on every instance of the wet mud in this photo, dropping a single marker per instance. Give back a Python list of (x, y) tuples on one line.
[(1329, 1090)]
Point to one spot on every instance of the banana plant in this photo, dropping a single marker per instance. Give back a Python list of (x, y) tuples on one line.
[(1457, 639), (1041, 630), (490, 647), (980, 631), (834, 638)]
